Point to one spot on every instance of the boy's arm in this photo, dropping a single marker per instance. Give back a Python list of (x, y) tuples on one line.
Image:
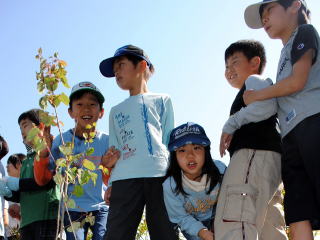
[(44, 168), (42, 174), (167, 120), (14, 198), (30, 184), (108, 161), (41, 171), (303, 55), (255, 112), (106, 177), (26, 184)]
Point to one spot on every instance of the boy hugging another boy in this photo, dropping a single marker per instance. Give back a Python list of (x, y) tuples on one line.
[(139, 127), (248, 206)]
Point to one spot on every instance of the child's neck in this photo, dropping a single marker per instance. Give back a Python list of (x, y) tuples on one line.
[(139, 89), (285, 37)]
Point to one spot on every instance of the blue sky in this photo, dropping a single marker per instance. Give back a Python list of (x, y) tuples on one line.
[(185, 40)]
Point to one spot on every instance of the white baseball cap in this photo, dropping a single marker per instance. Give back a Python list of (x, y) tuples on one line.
[(89, 87), (252, 13)]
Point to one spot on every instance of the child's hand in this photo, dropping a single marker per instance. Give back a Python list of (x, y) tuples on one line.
[(110, 158), (205, 234), (249, 96), (225, 141), (45, 133), (107, 195), (14, 211)]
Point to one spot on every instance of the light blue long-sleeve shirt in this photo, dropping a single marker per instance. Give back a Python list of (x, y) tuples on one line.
[(189, 211), (139, 127), (91, 199)]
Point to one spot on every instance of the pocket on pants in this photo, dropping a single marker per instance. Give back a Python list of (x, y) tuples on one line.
[(240, 203)]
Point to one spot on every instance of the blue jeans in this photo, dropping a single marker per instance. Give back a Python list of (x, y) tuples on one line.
[(206, 223), (98, 229)]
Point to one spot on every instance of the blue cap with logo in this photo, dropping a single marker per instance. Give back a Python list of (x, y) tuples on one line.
[(252, 13), (106, 66), (188, 133)]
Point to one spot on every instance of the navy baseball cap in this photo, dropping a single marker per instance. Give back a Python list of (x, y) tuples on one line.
[(188, 133), (106, 66), (252, 13), (87, 87)]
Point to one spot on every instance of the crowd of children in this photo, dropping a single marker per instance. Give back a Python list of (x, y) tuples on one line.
[(169, 172)]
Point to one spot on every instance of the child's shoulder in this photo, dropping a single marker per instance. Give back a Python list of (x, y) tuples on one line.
[(169, 183), (150, 96), (257, 82), (67, 135), (306, 28), (220, 165), (156, 95), (160, 94)]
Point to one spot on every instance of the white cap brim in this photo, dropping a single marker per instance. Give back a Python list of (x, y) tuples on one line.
[(252, 16)]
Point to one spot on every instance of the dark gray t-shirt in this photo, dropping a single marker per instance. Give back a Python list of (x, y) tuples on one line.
[(296, 107)]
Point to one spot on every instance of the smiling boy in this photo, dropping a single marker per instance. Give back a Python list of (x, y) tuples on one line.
[(86, 107), (248, 204)]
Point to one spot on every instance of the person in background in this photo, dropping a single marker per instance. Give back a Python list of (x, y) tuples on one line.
[(4, 149), (11, 209)]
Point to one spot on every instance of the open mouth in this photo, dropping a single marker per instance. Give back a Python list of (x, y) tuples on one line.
[(192, 165), (86, 118)]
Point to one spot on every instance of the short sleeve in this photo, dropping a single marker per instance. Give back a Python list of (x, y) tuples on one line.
[(306, 38)]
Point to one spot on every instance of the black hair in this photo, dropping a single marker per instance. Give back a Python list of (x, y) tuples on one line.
[(32, 115), (251, 49), (136, 60), (16, 159), (4, 149), (77, 95), (304, 14), (209, 168)]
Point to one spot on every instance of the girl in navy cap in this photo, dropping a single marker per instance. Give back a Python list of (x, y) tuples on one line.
[(193, 182)]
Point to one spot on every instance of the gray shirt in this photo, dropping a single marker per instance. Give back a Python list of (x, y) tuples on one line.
[(300, 105)]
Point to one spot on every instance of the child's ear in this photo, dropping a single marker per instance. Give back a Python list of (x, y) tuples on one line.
[(255, 63), (143, 65), (101, 113), (70, 113), (295, 6)]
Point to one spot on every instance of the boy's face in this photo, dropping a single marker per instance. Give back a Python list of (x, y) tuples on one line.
[(239, 68), (126, 73), (25, 126), (13, 171), (85, 110), (275, 20)]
